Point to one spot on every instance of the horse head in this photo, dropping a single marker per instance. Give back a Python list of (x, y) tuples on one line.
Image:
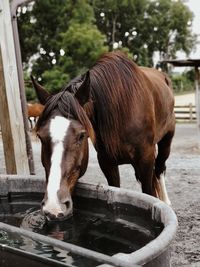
[(63, 129)]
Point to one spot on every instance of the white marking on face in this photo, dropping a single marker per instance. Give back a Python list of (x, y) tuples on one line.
[(164, 194), (58, 130)]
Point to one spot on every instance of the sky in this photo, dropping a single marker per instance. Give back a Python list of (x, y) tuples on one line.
[(194, 6)]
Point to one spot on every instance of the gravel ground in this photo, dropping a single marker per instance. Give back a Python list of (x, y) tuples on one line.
[(183, 184)]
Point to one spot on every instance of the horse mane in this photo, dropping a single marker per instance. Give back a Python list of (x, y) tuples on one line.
[(116, 85), (68, 106)]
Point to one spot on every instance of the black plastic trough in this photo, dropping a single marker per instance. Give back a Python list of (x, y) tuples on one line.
[(155, 254)]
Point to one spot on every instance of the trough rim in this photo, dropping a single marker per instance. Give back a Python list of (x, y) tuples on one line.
[(159, 210)]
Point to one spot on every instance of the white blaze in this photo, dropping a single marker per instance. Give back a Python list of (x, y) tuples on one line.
[(58, 130)]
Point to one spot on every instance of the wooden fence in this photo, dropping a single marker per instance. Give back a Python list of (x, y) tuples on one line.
[(185, 113)]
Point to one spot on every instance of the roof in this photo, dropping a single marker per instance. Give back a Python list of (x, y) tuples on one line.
[(183, 62)]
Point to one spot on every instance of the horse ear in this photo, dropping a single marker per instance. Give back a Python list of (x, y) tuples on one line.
[(83, 92), (41, 93)]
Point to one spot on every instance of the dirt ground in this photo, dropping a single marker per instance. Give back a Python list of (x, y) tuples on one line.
[(183, 185), (184, 189)]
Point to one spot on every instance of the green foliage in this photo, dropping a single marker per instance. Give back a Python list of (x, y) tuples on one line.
[(183, 82), (54, 79), (83, 44), (30, 93), (42, 36), (65, 40)]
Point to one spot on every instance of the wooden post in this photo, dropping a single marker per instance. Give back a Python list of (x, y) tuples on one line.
[(190, 112), (10, 106), (197, 97), (13, 5)]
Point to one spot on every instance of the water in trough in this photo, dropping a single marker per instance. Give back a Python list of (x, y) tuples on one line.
[(101, 227)]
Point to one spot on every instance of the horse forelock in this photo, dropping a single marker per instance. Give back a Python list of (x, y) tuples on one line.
[(116, 90), (74, 84), (67, 105)]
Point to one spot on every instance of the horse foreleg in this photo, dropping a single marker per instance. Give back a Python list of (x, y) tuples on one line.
[(110, 171)]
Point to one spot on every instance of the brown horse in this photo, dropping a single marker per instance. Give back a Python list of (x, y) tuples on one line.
[(126, 110), (34, 111)]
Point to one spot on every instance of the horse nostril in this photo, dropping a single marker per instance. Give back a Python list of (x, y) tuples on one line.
[(42, 203), (60, 215), (67, 203), (46, 213), (49, 216)]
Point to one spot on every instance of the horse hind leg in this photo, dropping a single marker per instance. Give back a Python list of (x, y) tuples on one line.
[(160, 167), (144, 170)]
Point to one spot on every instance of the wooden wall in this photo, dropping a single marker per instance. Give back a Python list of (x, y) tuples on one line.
[(11, 118)]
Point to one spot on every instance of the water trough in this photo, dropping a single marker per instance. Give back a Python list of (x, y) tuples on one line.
[(93, 205)]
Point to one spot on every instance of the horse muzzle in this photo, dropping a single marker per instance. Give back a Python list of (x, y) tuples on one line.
[(57, 211), (59, 217)]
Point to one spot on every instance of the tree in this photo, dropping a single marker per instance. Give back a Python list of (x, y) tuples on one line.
[(146, 27), (172, 32), (66, 40), (39, 31)]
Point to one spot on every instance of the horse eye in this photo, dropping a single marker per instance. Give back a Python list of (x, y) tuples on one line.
[(81, 137)]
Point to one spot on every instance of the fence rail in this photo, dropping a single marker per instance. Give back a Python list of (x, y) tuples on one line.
[(185, 113)]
